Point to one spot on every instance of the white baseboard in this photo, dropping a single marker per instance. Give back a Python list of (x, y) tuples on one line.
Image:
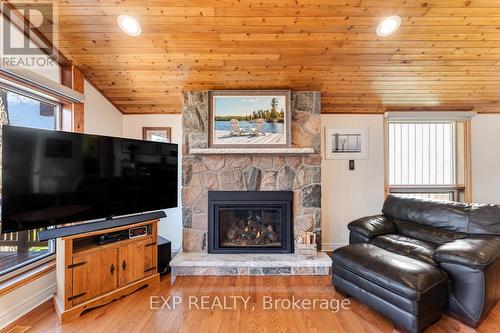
[(331, 246), (26, 305)]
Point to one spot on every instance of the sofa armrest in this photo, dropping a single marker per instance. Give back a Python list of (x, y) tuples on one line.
[(475, 251), (372, 226)]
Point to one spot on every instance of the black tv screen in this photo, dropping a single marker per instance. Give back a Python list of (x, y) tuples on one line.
[(51, 177)]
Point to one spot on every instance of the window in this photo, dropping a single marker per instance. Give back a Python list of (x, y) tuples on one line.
[(425, 159), (19, 249)]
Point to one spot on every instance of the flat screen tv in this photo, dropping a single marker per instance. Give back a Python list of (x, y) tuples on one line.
[(51, 177)]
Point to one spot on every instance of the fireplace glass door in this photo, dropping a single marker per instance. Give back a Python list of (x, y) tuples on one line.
[(250, 222), (255, 227)]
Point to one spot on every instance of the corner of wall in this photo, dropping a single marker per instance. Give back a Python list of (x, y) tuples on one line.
[(100, 116), (350, 194)]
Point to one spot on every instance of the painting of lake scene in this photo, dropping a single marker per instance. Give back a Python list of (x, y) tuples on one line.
[(249, 118)]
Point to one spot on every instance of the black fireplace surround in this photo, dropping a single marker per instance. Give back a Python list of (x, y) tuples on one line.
[(250, 222)]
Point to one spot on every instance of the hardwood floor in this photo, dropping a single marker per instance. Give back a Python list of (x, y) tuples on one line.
[(133, 313)]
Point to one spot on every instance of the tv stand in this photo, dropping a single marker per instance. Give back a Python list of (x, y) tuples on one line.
[(91, 274), (98, 225)]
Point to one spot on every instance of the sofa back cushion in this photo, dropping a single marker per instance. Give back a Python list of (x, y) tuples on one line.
[(452, 216), (407, 246), (429, 234), (484, 219)]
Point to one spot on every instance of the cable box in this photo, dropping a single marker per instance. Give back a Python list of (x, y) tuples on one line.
[(117, 236)]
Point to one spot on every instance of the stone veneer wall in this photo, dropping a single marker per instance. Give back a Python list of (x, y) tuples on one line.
[(266, 172)]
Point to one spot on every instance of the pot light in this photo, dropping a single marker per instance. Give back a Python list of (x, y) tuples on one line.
[(129, 25), (388, 25)]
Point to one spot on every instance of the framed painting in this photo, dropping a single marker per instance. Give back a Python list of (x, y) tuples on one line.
[(158, 134), (249, 118), (346, 144)]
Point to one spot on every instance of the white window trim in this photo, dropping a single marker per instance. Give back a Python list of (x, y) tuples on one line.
[(28, 80), (429, 116)]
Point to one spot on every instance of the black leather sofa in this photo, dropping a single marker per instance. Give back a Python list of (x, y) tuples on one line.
[(396, 262)]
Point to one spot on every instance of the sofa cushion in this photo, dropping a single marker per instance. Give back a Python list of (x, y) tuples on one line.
[(429, 234), (479, 251), (372, 226), (484, 219), (404, 276), (446, 215), (406, 246)]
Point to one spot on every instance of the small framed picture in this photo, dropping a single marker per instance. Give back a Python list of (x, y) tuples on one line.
[(158, 134), (346, 144)]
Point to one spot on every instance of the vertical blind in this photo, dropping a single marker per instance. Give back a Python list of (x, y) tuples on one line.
[(421, 153)]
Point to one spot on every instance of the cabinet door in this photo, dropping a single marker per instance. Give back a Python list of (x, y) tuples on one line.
[(94, 274), (136, 261)]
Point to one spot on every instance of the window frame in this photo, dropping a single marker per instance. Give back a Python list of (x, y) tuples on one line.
[(457, 190), (453, 191), (42, 259), (70, 113), (39, 97)]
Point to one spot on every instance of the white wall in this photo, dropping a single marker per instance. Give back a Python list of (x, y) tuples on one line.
[(347, 195), (171, 226), (485, 143), (100, 116)]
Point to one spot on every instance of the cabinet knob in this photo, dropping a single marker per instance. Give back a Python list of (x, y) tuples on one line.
[(112, 269), (124, 264)]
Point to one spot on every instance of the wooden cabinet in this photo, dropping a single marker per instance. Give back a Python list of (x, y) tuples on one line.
[(136, 261), (94, 275), (90, 275)]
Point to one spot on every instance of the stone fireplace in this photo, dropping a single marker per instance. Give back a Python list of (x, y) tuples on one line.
[(250, 222), (230, 170), (242, 208)]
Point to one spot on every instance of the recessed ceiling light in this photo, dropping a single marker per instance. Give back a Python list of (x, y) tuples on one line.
[(129, 25), (388, 25)]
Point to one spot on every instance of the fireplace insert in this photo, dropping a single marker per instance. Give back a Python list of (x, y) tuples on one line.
[(250, 222)]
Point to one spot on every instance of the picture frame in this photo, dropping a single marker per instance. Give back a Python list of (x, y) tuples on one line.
[(249, 118), (157, 134), (346, 144)]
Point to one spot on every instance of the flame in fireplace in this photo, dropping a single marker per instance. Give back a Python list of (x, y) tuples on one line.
[(258, 234)]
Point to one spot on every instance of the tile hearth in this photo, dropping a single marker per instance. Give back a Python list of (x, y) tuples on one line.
[(195, 263)]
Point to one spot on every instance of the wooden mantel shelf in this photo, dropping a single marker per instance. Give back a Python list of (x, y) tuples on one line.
[(214, 151)]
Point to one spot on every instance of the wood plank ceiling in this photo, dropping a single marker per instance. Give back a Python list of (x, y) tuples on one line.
[(445, 56)]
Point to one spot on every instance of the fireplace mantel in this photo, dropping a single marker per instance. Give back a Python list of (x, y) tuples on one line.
[(238, 151)]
